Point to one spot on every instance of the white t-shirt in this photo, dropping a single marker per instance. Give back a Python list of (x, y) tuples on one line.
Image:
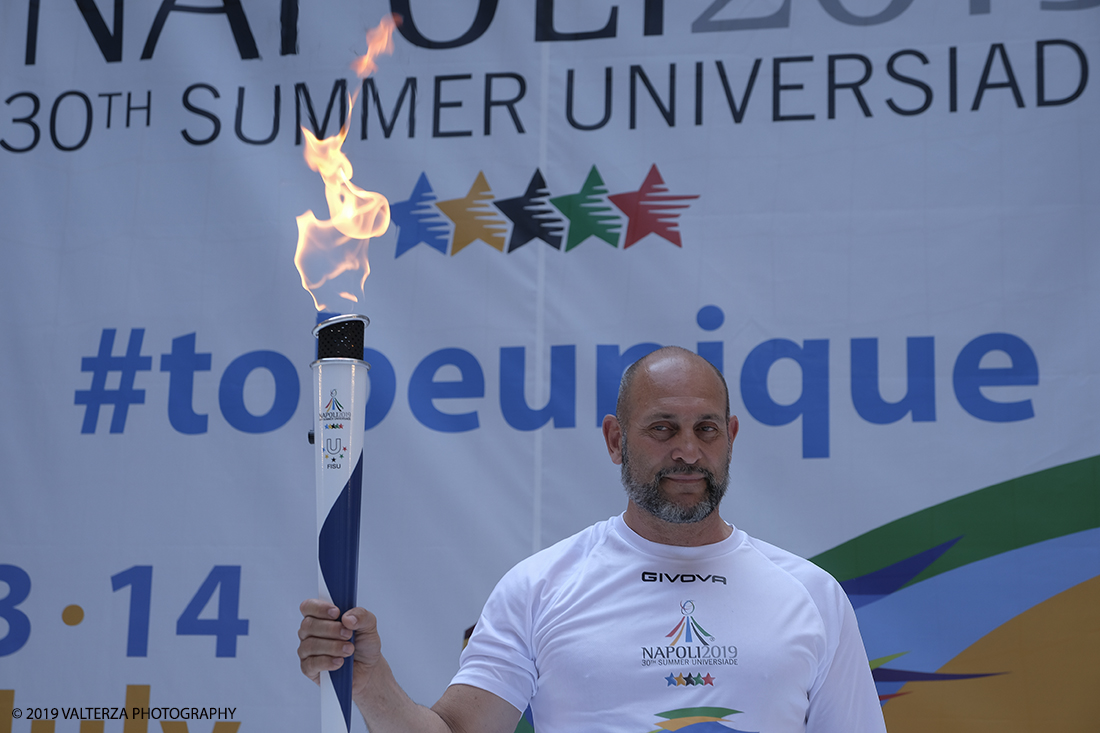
[(608, 631)]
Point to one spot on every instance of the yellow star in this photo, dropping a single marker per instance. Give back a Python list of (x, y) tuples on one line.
[(474, 217)]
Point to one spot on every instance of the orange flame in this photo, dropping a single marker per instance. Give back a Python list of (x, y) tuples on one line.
[(379, 40), (328, 249)]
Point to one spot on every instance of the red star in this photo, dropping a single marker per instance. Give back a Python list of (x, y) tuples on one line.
[(708, 680), (651, 210)]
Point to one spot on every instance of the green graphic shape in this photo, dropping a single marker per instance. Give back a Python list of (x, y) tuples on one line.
[(697, 713), (879, 661), (1016, 513)]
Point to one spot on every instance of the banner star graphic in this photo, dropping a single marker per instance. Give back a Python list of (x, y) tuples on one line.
[(474, 217), (418, 221), (651, 210), (670, 680), (532, 216), (587, 213)]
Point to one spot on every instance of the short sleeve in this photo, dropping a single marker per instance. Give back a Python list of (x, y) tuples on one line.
[(845, 701), (499, 656)]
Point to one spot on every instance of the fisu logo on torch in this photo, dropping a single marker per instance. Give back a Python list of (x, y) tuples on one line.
[(335, 452)]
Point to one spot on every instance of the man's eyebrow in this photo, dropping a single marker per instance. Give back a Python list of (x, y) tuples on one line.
[(662, 416), (670, 416)]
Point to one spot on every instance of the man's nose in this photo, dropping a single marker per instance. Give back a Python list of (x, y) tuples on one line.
[(687, 449)]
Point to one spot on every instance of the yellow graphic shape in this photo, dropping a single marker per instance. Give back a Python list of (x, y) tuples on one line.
[(180, 726), (7, 704), (137, 696), (1049, 653), (475, 217), (72, 615)]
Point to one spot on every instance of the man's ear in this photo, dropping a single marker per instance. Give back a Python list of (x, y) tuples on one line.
[(733, 427), (613, 436)]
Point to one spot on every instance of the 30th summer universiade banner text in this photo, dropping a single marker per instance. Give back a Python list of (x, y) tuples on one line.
[(620, 91)]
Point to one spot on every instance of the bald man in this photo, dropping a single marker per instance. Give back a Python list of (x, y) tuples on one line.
[(663, 617)]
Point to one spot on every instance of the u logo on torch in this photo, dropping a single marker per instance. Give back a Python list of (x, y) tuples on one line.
[(329, 446)]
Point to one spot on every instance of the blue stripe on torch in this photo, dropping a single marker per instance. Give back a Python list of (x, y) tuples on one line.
[(338, 556)]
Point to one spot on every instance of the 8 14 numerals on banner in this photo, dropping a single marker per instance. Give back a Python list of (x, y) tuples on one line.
[(225, 627)]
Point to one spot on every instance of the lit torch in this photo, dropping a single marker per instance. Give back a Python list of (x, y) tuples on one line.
[(329, 252), (339, 395)]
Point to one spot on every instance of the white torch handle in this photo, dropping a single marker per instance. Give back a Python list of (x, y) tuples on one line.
[(340, 387)]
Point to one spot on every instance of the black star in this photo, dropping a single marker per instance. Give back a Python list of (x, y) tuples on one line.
[(532, 215)]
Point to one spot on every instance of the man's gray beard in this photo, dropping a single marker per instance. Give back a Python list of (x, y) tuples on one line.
[(650, 497)]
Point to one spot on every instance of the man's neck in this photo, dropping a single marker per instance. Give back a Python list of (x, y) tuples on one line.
[(706, 532)]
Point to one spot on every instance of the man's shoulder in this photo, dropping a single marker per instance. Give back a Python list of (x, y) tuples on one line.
[(563, 557), (581, 543), (819, 583)]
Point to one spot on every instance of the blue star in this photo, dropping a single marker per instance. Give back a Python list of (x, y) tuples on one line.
[(418, 220), (670, 680)]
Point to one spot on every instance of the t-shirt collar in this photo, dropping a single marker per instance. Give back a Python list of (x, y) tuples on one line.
[(674, 552)]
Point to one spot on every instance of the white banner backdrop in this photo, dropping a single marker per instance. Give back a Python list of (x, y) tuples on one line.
[(878, 217)]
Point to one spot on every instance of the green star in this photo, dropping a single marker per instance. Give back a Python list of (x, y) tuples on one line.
[(587, 212)]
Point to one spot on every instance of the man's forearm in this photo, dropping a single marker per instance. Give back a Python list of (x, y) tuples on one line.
[(462, 709), (386, 708)]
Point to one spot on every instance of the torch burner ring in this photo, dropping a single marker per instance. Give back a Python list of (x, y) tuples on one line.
[(341, 337)]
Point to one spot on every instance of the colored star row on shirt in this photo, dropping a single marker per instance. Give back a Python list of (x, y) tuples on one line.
[(537, 215), (681, 679)]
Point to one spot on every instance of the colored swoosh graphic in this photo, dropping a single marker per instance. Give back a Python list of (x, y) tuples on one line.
[(947, 593), (1019, 512)]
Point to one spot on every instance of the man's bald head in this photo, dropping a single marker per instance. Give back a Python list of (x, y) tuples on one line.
[(689, 359)]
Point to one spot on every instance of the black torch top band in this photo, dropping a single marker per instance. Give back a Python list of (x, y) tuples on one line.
[(341, 337)]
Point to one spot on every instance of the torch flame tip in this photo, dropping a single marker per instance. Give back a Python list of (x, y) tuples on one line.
[(379, 41), (328, 249)]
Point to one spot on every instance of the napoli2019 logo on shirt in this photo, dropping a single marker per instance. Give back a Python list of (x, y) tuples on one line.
[(689, 644), (686, 625)]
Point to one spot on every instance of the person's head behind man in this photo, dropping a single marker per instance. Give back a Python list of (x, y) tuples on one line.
[(672, 434)]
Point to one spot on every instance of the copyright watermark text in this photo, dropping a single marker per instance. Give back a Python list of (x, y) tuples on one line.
[(123, 713)]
